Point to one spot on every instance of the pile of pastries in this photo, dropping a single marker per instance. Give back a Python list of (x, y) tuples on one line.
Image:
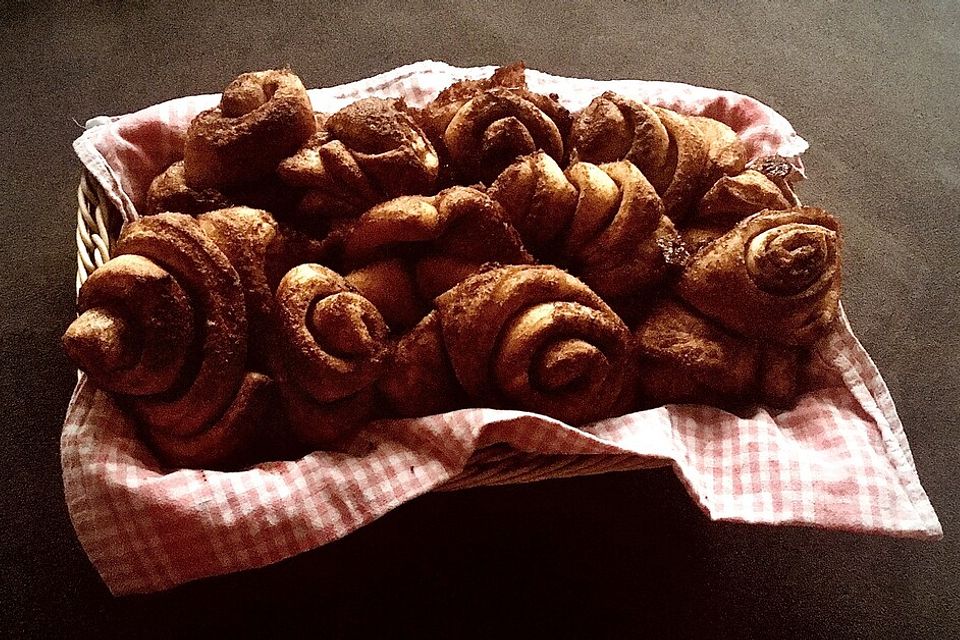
[(298, 275)]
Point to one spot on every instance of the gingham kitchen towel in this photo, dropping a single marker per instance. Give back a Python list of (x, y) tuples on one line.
[(839, 459)]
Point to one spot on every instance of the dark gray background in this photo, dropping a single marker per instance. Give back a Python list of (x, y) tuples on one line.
[(872, 87)]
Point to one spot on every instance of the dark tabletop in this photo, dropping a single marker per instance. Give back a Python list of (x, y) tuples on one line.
[(874, 90)]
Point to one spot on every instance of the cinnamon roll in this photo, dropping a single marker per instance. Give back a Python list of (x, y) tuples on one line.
[(169, 191), (606, 223), (684, 357), (668, 148), (405, 252), (263, 117), (335, 348), (164, 326), (480, 127), (368, 152), (774, 276), (535, 338)]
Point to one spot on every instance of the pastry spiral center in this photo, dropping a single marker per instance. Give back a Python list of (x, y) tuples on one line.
[(344, 325), (568, 362), (788, 259), (101, 339), (245, 97), (507, 138)]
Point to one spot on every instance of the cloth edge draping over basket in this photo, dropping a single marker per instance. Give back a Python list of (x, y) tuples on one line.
[(839, 459)]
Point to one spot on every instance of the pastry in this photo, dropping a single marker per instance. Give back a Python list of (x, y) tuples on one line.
[(483, 126), (169, 192), (334, 347), (366, 153), (527, 337), (405, 252), (668, 148), (775, 276), (683, 357), (605, 223), (164, 326), (263, 117)]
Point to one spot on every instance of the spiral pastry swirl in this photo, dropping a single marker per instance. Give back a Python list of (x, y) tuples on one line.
[(263, 117), (775, 275), (535, 338), (164, 326), (480, 126), (493, 129), (606, 223), (405, 252), (368, 152), (668, 148), (334, 344)]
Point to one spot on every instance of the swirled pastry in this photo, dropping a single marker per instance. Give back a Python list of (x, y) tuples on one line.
[(164, 325), (480, 127), (368, 152), (405, 252), (670, 150), (726, 153), (263, 117), (774, 276), (527, 337), (169, 191), (729, 200), (684, 357), (606, 223), (420, 380), (334, 345)]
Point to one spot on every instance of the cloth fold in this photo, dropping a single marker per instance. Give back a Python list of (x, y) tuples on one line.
[(839, 459)]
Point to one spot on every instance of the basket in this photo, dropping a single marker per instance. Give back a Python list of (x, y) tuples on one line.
[(838, 460)]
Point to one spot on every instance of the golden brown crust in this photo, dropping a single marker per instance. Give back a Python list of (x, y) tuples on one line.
[(493, 129), (368, 152), (334, 338), (669, 149), (684, 357), (613, 128), (535, 338), (774, 276), (733, 198), (437, 116), (262, 118), (335, 348), (420, 380), (683, 177), (726, 153), (177, 243), (134, 329), (231, 442), (169, 192), (164, 325), (606, 223), (244, 236), (425, 245)]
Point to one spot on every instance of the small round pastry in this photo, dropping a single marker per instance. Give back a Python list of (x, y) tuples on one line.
[(335, 348), (366, 153), (775, 276), (263, 117)]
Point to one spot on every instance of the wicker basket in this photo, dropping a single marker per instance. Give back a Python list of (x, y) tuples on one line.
[(98, 226)]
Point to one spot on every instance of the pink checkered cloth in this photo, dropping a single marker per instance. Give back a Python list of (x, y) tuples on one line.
[(839, 459)]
